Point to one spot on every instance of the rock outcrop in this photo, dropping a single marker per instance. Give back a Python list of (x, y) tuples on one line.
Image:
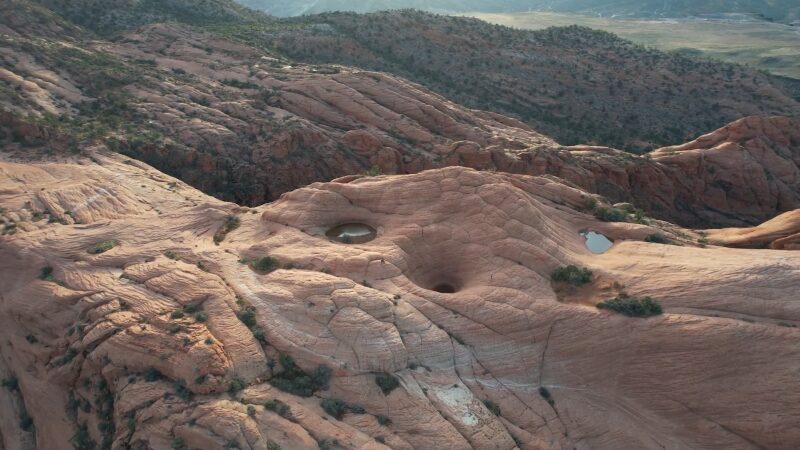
[(137, 311), (246, 125)]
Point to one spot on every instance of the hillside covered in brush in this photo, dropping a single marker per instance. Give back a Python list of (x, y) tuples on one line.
[(780, 10)]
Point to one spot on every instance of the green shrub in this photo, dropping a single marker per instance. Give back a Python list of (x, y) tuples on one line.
[(265, 264), (68, 356), (272, 445), (231, 223), (181, 390), (251, 410), (12, 384), (334, 407), (295, 381), (492, 406), (25, 421), (201, 317), (658, 238), (383, 420), (632, 306), (237, 384), (152, 374), (177, 314), (610, 214), (178, 443), (46, 274), (102, 247), (278, 407), (574, 275), (248, 316), (386, 382), (82, 440)]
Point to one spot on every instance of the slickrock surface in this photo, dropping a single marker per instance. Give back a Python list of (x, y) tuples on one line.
[(116, 340)]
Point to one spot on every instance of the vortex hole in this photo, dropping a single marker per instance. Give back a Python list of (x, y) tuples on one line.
[(445, 288)]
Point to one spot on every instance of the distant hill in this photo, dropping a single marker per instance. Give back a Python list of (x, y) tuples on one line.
[(780, 10), (105, 16), (573, 83)]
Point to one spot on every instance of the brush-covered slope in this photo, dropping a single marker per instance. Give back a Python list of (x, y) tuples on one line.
[(780, 10), (247, 125), (574, 84), (139, 313)]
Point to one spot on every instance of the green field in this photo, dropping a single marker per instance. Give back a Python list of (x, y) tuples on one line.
[(772, 47)]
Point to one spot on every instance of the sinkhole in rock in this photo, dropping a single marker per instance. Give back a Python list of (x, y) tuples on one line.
[(352, 233), (444, 288), (596, 242)]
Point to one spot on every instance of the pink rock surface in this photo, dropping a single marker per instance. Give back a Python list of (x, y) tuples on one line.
[(717, 370)]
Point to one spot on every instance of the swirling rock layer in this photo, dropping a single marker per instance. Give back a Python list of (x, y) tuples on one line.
[(169, 338)]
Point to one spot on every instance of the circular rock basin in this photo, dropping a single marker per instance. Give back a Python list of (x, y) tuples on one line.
[(352, 233), (596, 242)]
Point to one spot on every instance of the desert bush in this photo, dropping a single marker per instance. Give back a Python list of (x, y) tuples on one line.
[(386, 382), (334, 407), (610, 214), (237, 384), (265, 264), (231, 223), (632, 306), (492, 406), (658, 238), (278, 407), (295, 381), (82, 440), (574, 275), (11, 383), (102, 247)]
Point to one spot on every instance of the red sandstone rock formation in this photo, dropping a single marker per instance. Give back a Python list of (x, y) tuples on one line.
[(115, 340)]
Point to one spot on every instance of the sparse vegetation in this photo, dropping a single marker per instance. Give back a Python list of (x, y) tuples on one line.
[(236, 385), (334, 407), (295, 381), (178, 443), (265, 264), (82, 440), (386, 382), (25, 421), (102, 247), (574, 275), (632, 306), (492, 406), (11, 383), (231, 223), (607, 214), (278, 407), (46, 274), (658, 238)]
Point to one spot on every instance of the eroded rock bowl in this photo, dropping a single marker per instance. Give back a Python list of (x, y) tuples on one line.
[(596, 242), (352, 233)]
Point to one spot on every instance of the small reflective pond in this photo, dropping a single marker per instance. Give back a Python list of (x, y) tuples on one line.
[(352, 233), (596, 242)]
